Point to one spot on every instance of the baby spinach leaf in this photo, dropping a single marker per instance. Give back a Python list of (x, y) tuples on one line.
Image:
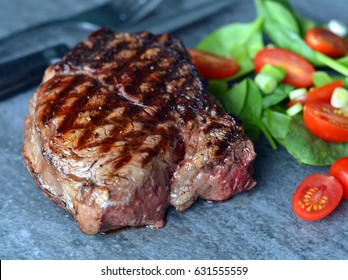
[(253, 102), (309, 149), (280, 93), (240, 40), (281, 13), (218, 89), (245, 101), (287, 39), (278, 14), (277, 123), (343, 60), (244, 61), (235, 98), (250, 113), (332, 63), (304, 23)]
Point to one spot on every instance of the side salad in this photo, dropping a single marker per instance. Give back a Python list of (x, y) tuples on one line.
[(239, 50), (285, 76)]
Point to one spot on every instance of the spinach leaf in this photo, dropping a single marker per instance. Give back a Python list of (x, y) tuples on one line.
[(343, 60), (332, 63), (218, 89), (300, 142), (236, 97), (240, 40), (277, 123), (245, 101), (251, 110), (278, 14), (287, 39), (304, 23), (281, 13), (280, 93), (253, 102), (309, 149)]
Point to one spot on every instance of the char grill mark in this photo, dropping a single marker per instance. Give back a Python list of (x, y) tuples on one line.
[(131, 113), (124, 126), (150, 73)]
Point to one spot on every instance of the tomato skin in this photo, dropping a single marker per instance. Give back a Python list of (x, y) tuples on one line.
[(316, 197), (298, 70), (212, 66), (322, 93), (340, 171), (320, 118), (326, 42)]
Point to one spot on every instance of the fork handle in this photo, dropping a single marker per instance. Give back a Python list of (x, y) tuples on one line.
[(27, 71)]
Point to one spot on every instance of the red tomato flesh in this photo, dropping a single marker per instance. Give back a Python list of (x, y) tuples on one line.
[(212, 66), (316, 197), (298, 70), (322, 93), (340, 171), (326, 122), (326, 42)]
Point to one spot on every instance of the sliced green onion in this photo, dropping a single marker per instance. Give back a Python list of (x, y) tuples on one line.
[(266, 83), (270, 46), (294, 109), (339, 98), (274, 71), (297, 93), (320, 78), (337, 27)]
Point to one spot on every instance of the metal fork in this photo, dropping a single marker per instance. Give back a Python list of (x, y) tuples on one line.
[(117, 14), (27, 70)]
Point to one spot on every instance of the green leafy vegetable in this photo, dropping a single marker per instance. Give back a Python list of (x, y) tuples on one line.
[(240, 40), (218, 88), (321, 78), (280, 15), (343, 60), (236, 97), (287, 39), (280, 93), (277, 123), (245, 101), (304, 24), (308, 148), (333, 64)]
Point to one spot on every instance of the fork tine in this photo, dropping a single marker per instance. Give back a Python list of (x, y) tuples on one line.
[(138, 9), (117, 12)]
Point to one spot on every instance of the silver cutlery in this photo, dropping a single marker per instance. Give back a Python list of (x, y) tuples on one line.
[(24, 71), (117, 14)]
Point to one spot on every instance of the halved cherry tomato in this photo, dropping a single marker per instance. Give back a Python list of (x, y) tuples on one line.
[(298, 70), (326, 122), (322, 93), (340, 171), (212, 66), (316, 197), (326, 42)]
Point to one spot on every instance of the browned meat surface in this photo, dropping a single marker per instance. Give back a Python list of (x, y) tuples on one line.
[(124, 126)]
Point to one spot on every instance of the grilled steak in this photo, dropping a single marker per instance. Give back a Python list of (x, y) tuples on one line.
[(123, 126)]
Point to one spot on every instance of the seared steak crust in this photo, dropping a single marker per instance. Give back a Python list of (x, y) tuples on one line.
[(124, 126)]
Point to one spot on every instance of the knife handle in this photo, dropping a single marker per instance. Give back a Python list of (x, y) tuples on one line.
[(24, 72)]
